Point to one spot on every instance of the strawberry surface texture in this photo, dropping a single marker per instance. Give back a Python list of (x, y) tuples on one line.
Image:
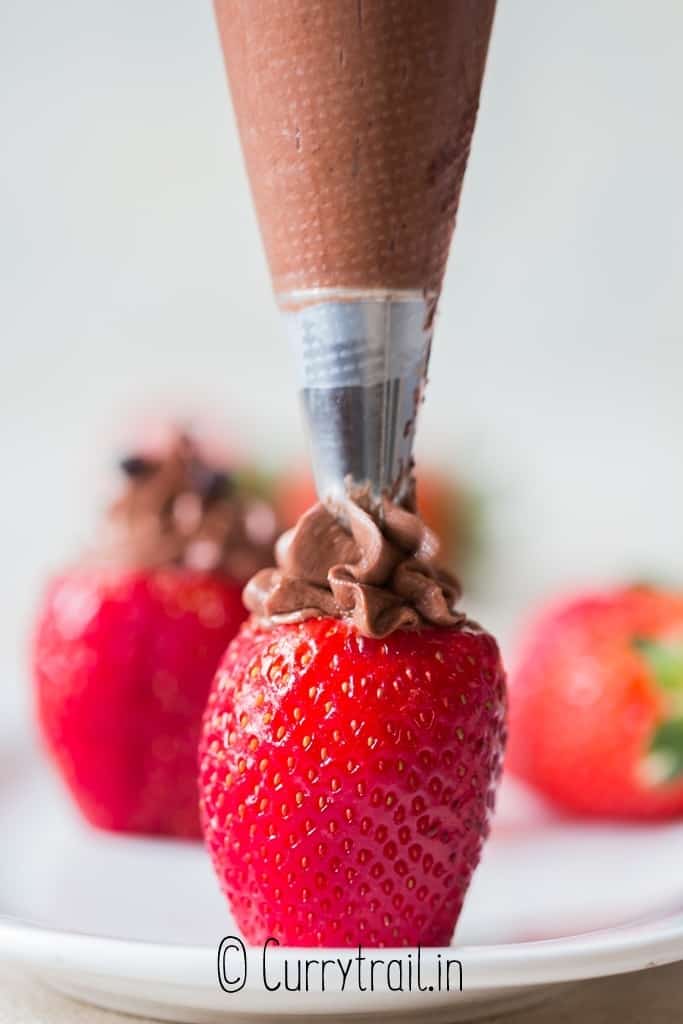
[(347, 783), (123, 661)]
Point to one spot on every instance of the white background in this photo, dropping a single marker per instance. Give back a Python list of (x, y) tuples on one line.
[(131, 276)]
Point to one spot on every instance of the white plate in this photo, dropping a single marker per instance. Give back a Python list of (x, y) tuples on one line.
[(135, 924)]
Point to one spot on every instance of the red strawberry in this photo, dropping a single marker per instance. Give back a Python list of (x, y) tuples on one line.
[(127, 643), (123, 663), (347, 783), (597, 704)]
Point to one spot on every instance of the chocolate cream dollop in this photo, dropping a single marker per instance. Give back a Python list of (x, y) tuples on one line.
[(376, 568), (177, 508)]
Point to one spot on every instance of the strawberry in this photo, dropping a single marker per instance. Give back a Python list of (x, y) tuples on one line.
[(347, 782), (597, 704), (127, 642), (123, 663)]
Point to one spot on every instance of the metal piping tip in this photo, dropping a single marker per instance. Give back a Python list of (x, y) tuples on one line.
[(362, 360)]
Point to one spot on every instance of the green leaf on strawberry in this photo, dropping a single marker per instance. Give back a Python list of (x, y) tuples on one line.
[(665, 754), (665, 660), (667, 747)]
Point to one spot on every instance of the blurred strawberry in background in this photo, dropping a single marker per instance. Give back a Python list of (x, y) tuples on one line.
[(596, 704), (446, 506), (128, 639)]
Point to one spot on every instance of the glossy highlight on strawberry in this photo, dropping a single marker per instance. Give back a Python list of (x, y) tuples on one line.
[(347, 783)]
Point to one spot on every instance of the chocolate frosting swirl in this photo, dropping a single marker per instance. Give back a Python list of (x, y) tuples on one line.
[(178, 509), (378, 570)]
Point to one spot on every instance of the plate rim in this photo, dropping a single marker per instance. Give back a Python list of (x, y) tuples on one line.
[(619, 949)]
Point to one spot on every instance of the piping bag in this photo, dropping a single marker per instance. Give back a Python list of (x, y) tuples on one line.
[(356, 118)]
